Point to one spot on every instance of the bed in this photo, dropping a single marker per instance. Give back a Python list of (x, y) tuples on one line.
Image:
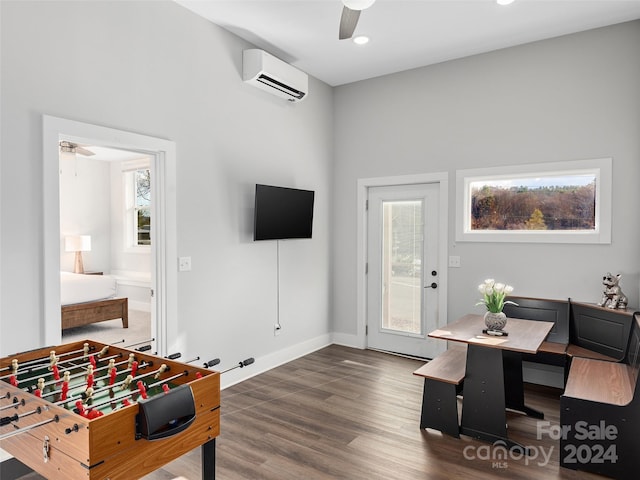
[(87, 299)]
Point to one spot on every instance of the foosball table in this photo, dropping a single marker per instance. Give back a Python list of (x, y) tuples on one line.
[(97, 411)]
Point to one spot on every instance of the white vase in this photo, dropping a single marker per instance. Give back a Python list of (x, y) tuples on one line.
[(495, 321)]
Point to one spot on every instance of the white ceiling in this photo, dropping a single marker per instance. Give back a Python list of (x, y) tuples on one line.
[(405, 34)]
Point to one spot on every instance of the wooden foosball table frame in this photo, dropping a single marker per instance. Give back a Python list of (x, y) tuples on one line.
[(58, 443)]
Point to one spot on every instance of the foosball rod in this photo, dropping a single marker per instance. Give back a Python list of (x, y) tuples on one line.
[(133, 392), (126, 381), (104, 351), (14, 418), (241, 364), (78, 387), (99, 369), (42, 366), (81, 365), (175, 356), (44, 359), (15, 404), (55, 418), (140, 343), (142, 366)]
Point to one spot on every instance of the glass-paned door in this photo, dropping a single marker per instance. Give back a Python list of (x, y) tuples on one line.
[(402, 282)]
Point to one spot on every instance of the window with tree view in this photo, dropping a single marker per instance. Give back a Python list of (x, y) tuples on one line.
[(563, 202), (142, 217), (136, 176), (534, 203)]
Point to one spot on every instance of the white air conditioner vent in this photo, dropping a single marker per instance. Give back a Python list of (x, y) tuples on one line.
[(271, 74)]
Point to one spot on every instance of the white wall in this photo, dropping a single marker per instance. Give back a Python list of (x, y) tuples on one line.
[(156, 68), (574, 97), (85, 205)]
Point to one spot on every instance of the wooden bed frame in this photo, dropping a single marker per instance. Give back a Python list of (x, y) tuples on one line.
[(80, 314)]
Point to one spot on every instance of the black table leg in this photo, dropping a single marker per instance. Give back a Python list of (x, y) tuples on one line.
[(514, 384), (484, 402), (208, 451)]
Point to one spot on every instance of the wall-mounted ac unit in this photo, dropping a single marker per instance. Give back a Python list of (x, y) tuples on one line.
[(269, 73)]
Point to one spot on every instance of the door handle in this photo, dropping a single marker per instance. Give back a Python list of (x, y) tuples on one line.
[(433, 285)]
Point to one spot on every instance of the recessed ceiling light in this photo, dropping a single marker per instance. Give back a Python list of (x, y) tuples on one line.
[(361, 40), (504, 2)]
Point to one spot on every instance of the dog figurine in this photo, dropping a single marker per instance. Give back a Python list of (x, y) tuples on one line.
[(613, 296)]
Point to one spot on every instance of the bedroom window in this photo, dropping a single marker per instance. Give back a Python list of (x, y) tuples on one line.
[(143, 207), (137, 181), (564, 202)]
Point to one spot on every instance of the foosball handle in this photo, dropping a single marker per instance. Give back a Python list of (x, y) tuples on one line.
[(212, 363), (246, 362), (174, 356), (144, 349)]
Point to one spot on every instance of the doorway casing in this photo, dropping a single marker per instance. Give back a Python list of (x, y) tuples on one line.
[(442, 178), (163, 156)]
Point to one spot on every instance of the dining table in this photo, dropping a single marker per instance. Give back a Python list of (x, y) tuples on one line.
[(493, 380)]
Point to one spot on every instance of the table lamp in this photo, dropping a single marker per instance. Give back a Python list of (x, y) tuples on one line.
[(78, 244)]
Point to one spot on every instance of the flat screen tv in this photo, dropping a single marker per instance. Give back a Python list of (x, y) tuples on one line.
[(282, 213)]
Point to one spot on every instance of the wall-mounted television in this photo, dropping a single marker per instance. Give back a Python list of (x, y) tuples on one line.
[(282, 213)]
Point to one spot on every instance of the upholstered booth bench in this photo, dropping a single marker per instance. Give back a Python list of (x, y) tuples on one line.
[(600, 414)]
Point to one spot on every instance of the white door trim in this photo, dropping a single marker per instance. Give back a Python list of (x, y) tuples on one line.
[(361, 295), (163, 153)]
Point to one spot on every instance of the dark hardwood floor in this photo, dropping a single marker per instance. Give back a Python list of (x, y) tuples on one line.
[(342, 413)]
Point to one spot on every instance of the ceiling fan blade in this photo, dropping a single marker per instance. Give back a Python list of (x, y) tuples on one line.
[(84, 151), (70, 147), (348, 23)]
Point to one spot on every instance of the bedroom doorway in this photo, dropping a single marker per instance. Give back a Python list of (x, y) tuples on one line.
[(162, 251), (106, 208)]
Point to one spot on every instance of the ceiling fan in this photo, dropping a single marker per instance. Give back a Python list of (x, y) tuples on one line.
[(74, 148), (350, 16)]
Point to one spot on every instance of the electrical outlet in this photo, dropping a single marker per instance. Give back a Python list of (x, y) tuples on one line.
[(277, 329), (454, 261), (184, 264)]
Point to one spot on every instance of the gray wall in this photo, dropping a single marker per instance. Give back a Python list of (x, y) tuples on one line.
[(156, 68), (570, 98)]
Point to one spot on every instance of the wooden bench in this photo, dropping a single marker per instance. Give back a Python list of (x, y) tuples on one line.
[(600, 414), (443, 380), (599, 333)]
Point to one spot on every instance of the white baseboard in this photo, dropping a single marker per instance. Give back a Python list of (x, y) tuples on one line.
[(132, 279), (140, 306), (275, 359), (349, 340)]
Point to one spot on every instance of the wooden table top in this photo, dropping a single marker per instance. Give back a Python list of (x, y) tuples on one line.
[(525, 336)]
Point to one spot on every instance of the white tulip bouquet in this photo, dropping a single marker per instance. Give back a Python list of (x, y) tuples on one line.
[(493, 295)]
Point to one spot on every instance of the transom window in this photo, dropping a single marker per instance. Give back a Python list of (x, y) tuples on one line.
[(566, 202)]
